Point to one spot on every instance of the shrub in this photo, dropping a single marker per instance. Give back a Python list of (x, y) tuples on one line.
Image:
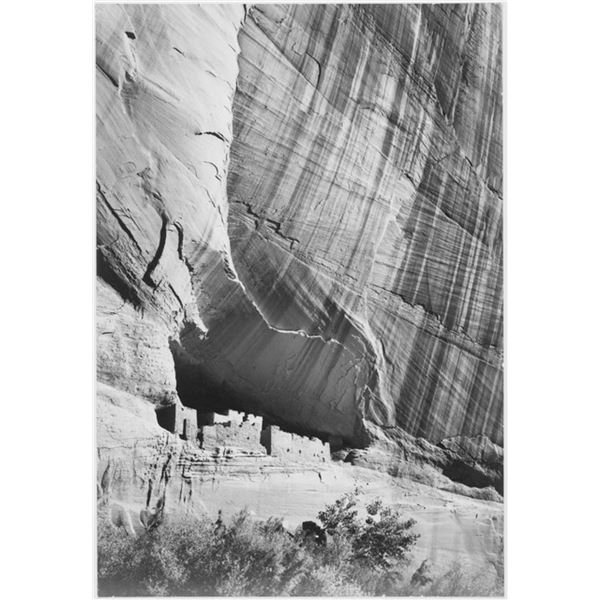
[(379, 542), (327, 580), (152, 564), (462, 581), (457, 580), (248, 558), (199, 557), (196, 557), (342, 515)]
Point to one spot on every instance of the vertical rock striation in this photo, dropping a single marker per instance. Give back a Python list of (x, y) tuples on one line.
[(366, 216), (300, 215)]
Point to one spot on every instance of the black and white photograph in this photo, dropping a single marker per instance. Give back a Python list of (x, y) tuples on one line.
[(299, 299)]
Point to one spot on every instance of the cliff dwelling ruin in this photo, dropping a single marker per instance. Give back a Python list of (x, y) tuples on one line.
[(245, 431)]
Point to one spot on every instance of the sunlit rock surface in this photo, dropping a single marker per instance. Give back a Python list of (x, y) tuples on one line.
[(366, 220), (300, 215), (165, 80)]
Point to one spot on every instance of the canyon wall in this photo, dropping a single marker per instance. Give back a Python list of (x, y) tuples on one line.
[(300, 215), (365, 220)]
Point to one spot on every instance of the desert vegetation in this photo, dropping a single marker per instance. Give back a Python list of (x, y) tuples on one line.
[(348, 551)]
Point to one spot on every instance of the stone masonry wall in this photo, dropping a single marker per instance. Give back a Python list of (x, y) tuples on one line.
[(296, 447), (241, 433), (178, 419)]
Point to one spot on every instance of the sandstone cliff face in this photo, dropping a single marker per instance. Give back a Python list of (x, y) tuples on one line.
[(165, 83), (366, 220), (300, 214)]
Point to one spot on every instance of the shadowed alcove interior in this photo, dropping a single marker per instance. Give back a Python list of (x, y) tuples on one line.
[(199, 390)]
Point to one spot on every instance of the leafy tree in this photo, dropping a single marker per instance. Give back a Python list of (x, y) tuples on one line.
[(383, 542), (342, 515), (379, 542)]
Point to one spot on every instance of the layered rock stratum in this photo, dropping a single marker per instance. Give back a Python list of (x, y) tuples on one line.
[(299, 214)]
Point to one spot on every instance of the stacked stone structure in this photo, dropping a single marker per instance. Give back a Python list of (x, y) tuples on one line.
[(230, 429), (295, 447), (178, 419)]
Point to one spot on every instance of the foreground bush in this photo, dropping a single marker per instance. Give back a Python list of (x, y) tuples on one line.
[(189, 557), (198, 557)]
